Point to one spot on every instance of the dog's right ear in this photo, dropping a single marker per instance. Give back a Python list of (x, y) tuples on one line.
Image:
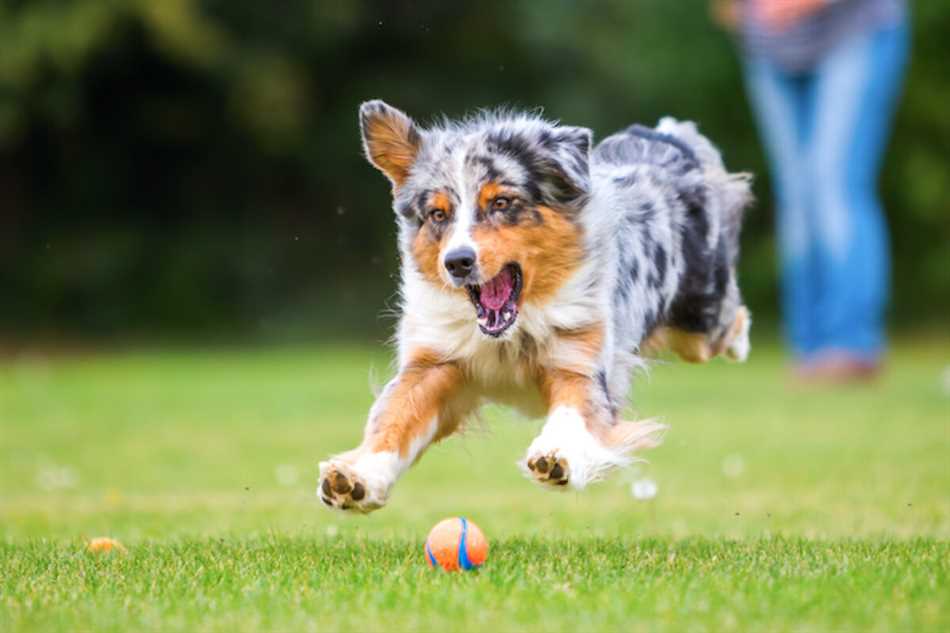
[(390, 138)]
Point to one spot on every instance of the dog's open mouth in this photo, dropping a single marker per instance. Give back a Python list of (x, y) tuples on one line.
[(496, 300)]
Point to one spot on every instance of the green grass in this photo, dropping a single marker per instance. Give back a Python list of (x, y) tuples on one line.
[(778, 508)]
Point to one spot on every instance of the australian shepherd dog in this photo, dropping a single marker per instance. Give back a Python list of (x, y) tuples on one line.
[(539, 271)]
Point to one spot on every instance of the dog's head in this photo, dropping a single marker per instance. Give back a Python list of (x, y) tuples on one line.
[(488, 207)]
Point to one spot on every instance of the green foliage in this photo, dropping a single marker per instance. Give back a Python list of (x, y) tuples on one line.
[(229, 127)]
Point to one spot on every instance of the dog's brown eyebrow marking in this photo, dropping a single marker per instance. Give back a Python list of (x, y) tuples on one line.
[(427, 199), (433, 197), (507, 188), (419, 201), (440, 200), (488, 192)]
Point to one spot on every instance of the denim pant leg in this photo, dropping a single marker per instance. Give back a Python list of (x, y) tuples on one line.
[(782, 105), (856, 87)]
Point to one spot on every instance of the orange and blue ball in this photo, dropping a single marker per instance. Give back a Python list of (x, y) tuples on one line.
[(456, 544)]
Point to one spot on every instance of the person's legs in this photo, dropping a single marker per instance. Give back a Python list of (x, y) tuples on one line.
[(855, 94), (782, 105)]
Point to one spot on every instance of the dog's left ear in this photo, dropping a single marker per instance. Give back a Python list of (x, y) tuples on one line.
[(568, 151), (390, 138)]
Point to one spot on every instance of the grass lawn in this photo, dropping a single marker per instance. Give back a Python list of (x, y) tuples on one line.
[(778, 508)]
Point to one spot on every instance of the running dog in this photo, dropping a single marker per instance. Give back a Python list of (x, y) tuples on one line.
[(538, 271)]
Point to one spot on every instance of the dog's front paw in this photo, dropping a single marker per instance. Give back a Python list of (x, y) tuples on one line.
[(550, 469), (555, 463), (342, 488), (567, 453)]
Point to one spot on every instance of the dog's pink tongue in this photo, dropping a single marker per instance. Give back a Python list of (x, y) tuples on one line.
[(497, 291)]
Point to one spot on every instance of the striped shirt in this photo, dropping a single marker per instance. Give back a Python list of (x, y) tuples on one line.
[(800, 46)]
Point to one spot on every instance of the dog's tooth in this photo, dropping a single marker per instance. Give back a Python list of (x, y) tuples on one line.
[(506, 315)]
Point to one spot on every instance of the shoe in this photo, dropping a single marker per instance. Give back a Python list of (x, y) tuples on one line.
[(837, 367)]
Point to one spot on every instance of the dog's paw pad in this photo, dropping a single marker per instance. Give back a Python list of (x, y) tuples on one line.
[(343, 490), (549, 469)]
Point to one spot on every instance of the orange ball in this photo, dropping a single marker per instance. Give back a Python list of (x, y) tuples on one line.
[(456, 544), (104, 544)]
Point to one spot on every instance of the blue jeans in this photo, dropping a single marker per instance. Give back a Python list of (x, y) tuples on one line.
[(825, 132)]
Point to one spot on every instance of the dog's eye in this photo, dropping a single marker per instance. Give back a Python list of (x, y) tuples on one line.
[(437, 215), (500, 203)]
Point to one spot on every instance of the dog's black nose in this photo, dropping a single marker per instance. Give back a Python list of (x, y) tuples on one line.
[(460, 262)]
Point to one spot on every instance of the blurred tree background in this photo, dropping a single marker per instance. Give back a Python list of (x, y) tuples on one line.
[(183, 168)]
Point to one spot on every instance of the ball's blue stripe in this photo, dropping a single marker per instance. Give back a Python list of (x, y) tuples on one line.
[(429, 554), (464, 562)]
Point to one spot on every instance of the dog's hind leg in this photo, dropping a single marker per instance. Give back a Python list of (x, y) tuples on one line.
[(700, 347), (735, 343), (693, 347), (425, 402)]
